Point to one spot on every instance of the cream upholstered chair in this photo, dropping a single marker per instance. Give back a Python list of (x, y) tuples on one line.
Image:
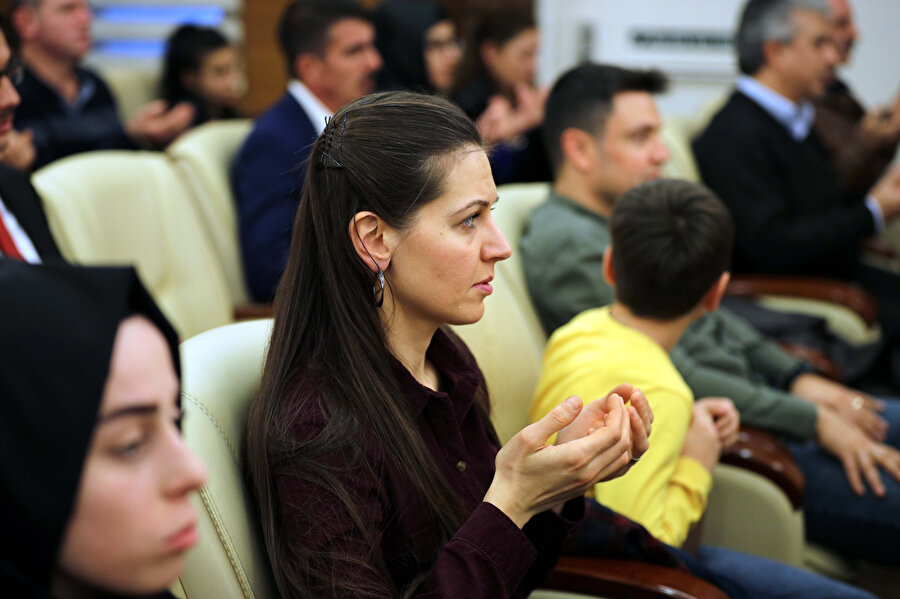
[(745, 512), (221, 371), (131, 87), (203, 158), (131, 207), (509, 340)]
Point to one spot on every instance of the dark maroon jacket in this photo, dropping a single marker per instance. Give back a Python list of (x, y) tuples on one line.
[(489, 556)]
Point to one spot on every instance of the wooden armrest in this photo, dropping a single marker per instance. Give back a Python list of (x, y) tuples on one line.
[(821, 362), (760, 452), (625, 579), (837, 292), (880, 248), (254, 311)]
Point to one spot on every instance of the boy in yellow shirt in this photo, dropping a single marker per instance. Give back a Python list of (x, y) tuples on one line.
[(671, 242)]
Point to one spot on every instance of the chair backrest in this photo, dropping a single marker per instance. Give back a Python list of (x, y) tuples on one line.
[(508, 341), (203, 157), (676, 133), (221, 371), (131, 87), (120, 207), (679, 132)]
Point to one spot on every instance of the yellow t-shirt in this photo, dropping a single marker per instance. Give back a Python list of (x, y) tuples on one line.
[(588, 357)]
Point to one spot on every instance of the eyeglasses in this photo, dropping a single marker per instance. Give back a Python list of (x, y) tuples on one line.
[(14, 71), (441, 45)]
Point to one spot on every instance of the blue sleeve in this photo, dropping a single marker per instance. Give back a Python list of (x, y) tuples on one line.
[(267, 176)]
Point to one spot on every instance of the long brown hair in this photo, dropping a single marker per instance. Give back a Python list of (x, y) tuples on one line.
[(386, 153), (497, 26)]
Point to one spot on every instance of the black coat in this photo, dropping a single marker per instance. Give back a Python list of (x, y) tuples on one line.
[(22, 200), (789, 212), (57, 326)]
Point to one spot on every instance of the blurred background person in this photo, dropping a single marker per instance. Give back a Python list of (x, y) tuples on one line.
[(202, 67), (66, 107), (419, 45), (24, 232), (329, 48), (861, 142), (495, 86)]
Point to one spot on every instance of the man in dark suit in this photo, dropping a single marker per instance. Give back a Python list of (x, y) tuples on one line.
[(330, 50), (24, 233), (761, 155)]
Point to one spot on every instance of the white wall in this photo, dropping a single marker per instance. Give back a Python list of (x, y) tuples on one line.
[(690, 44)]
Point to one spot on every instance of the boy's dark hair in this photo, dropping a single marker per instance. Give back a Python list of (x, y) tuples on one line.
[(582, 98), (671, 240), (306, 24)]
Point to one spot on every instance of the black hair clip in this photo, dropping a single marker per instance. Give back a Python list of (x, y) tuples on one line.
[(327, 142)]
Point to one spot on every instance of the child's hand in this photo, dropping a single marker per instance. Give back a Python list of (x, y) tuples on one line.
[(725, 416)]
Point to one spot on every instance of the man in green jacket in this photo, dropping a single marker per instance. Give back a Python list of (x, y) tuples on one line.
[(602, 131)]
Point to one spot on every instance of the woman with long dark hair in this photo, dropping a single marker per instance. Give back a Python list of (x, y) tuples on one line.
[(369, 447), (201, 67), (95, 478), (417, 40), (495, 86)]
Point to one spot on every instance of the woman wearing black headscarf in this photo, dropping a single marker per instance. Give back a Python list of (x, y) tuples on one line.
[(95, 478), (419, 45)]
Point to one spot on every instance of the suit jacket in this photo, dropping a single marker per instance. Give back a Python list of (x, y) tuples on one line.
[(22, 200), (790, 215), (267, 175)]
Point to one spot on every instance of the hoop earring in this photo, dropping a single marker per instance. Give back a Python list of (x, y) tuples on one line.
[(378, 289)]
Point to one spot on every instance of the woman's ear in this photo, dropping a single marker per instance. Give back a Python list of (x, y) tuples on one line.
[(488, 51), (373, 240)]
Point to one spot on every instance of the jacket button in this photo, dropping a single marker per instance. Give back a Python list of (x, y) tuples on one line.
[(461, 466)]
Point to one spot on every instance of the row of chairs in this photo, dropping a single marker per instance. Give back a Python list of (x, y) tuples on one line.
[(170, 214), (221, 370)]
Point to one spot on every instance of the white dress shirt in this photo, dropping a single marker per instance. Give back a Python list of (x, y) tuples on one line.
[(311, 105), (19, 237)]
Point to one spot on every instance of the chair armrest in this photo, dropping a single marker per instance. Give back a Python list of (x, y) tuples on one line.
[(625, 579), (844, 294), (760, 452), (254, 311), (821, 362), (880, 247)]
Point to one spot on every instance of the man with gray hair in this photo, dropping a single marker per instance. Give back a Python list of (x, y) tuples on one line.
[(761, 155)]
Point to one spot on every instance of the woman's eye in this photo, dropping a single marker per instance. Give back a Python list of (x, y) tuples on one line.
[(470, 222), (129, 450)]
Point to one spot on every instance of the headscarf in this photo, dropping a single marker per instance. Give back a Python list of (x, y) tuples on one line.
[(400, 27), (57, 328)]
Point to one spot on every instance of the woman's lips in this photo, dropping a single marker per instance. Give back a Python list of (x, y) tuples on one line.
[(183, 539), (485, 285)]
